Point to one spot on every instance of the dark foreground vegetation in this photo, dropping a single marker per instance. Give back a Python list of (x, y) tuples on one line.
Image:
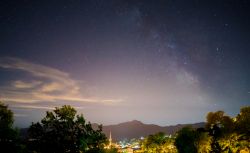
[(63, 131), (221, 134)]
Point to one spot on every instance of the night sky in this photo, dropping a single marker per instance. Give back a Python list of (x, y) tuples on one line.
[(161, 61)]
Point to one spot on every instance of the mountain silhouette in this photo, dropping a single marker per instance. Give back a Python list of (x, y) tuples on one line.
[(137, 129)]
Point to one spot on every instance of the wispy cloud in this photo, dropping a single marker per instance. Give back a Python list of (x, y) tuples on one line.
[(25, 85), (40, 107), (47, 84), (33, 107)]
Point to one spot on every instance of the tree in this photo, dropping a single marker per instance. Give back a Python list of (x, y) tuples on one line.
[(111, 150), (9, 138), (185, 140), (158, 142), (221, 121), (219, 126), (6, 116), (243, 121), (63, 131), (202, 140)]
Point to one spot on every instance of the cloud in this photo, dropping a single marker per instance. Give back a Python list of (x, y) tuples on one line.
[(33, 107), (40, 107), (47, 84), (25, 85), (50, 87)]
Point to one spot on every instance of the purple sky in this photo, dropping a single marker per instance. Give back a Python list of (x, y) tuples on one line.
[(161, 62)]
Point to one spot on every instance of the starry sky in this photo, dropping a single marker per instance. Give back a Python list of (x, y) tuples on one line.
[(158, 61)]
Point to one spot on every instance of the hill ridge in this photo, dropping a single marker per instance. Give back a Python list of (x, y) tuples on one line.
[(137, 129)]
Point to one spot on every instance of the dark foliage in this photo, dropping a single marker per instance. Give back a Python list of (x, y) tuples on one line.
[(9, 138), (64, 131)]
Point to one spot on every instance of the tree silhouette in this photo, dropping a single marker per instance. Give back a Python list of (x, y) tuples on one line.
[(159, 143), (243, 122), (63, 131), (9, 138), (219, 126), (220, 122), (185, 140)]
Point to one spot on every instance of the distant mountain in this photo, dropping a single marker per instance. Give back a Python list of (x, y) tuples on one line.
[(137, 129), (134, 129)]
